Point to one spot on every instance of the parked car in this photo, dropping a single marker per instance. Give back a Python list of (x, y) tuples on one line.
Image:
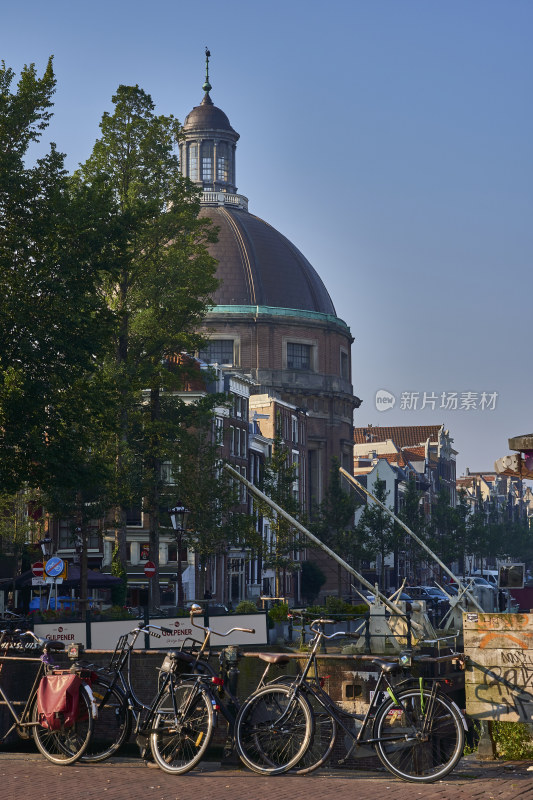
[(436, 601), (436, 593), (372, 597), (490, 575), (476, 580)]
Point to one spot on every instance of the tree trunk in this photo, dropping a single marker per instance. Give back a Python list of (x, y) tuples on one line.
[(120, 515), (84, 574), (154, 498), (81, 531)]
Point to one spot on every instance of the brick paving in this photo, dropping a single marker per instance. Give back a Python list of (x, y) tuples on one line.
[(25, 775)]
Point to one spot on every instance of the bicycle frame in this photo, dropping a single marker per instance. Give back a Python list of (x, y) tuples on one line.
[(120, 662), (23, 722), (229, 707), (46, 664), (313, 686)]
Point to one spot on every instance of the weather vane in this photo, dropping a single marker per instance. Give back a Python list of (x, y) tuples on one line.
[(207, 86)]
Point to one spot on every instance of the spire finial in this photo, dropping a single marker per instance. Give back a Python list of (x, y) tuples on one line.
[(207, 86)]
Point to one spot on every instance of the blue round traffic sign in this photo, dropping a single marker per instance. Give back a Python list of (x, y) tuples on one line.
[(54, 566)]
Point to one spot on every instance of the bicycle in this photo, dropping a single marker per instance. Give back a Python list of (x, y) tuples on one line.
[(417, 732), (179, 724), (64, 744), (270, 741), (120, 711)]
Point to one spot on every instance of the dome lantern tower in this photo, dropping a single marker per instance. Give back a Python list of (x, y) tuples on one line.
[(207, 153)]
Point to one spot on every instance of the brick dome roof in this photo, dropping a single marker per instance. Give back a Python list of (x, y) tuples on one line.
[(259, 266)]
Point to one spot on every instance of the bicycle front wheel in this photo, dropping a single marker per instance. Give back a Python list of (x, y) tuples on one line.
[(273, 730), (183, 727), (422, 739), (67, 745), (112, 726)]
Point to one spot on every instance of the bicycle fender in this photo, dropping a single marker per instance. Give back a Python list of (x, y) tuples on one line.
[(463, 719), (94, 705)]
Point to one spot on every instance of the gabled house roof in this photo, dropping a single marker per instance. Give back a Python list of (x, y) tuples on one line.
[(401, 435)]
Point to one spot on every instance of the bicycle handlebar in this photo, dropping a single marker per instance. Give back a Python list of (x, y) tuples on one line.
[(151, 630), (51, 644), (195, 610), (352, 635)]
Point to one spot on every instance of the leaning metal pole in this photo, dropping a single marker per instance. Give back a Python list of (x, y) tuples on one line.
[(254, 490), (358, 485)]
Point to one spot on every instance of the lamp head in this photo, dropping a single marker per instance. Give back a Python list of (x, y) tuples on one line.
[(179, 516)]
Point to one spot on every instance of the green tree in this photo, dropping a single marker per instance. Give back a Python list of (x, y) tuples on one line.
[(463, 531), (334, 521), (20, 526), (313, 579), (79, 463), (412, 515), (376, 527), (160, 295), (208, 491), (279, 478), (443, 528), (55, 242)]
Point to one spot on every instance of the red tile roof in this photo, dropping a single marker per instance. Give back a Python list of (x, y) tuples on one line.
[(414, 453), (401, 435)]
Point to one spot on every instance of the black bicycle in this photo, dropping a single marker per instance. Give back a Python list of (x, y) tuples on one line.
[(416, 730), (270, 740), (120, 710), (63, 742)]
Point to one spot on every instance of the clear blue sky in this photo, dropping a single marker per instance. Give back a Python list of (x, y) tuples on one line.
[(390, 140)]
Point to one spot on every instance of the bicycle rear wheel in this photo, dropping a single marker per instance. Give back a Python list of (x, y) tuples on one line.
[(112, 726), (324, 733), (321, 744), (183, 727), (69, 744), (422, 740), (273, 730)]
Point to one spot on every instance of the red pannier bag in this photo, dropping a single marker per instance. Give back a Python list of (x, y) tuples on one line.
[(58, 700)]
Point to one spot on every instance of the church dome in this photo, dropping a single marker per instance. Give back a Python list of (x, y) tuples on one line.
[(258, 266), (206, 116)]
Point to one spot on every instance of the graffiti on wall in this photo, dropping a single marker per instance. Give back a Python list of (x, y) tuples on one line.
[(499, 666)]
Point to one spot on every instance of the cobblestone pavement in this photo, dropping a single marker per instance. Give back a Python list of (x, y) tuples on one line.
[(25, 775)]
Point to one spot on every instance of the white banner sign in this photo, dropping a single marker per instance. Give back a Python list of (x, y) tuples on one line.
[(68, 632), (104, 635)]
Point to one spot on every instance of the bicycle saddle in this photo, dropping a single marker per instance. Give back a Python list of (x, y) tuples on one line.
[(274, 658), (386, 666)]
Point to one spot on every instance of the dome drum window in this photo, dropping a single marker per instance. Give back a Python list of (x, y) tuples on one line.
[(218, 351), (344, 364), (299, 356), (207, 168), (193, 162), (207, 162), (222, 169)]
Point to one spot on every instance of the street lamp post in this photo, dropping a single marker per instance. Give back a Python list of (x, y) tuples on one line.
[(179, 516)]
